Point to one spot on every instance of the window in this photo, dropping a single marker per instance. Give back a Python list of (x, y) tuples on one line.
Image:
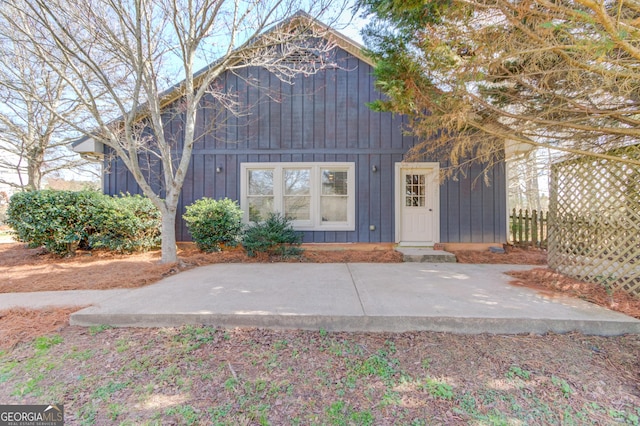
[(317, 196)]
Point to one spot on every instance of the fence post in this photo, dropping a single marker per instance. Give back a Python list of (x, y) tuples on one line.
[(534, 228), (520, 226), (514, 226)]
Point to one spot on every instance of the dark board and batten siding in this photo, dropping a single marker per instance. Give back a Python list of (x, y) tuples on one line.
[(321, 118)]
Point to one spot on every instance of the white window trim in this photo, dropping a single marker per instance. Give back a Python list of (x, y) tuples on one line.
[(315, 223)]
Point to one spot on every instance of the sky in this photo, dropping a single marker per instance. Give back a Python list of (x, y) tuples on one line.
[(350, 25)]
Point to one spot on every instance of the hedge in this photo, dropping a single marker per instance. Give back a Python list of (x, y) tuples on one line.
[(63, 221)]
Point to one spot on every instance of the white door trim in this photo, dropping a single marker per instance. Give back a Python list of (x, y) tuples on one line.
[(434, 197)]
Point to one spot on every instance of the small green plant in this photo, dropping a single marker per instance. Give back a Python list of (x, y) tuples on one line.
[(188, 413), (44, 343), (274, 236), (340, 414), (213, 223), (105, 392), (438, 389), (563, 385), (194, 337), (95, 329), (114, 411), (515, 371)]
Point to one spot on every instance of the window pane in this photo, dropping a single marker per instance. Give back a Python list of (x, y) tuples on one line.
[(334, 209), (297, 208), (260, 182), (259, 208), (297, 182), (334, 182)]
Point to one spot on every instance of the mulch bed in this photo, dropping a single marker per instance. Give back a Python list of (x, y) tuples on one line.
[(545, 279), (514, 256), (23, 325)]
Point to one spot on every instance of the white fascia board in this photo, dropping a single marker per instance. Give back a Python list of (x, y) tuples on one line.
[(89, 146)]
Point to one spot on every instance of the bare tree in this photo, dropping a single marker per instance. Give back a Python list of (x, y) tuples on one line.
[(33, 111), (117, 56)]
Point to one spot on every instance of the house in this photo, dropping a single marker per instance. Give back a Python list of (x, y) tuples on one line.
[(315, 151)]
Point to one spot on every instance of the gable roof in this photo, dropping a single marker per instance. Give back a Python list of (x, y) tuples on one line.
[(86, 145)]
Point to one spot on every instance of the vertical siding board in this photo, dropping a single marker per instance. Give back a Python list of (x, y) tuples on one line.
[(476, 183), (364, 138), (319, 102), (199, 177), (385, 131), (275, 112), (236, 134), (233, 175), (387, 194), (375, 131), (218, 183), (363, 193), (375, 191), (211, 177), (253, 99), (330, 108), (353, 103), (500, 234), (297, 113), (455, 213), (464, 208), (308, 113), (285, 158), (444, 210), (204, 116), (286, 118), (488, 208), (341, 103), (264, 114)]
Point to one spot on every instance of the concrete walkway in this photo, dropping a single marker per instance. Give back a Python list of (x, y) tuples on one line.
[(352, 297)]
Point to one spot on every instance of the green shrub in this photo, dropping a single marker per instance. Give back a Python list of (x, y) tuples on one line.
[(128, 223), (63, 221), (58, 220), (274, 236), (213, 223)]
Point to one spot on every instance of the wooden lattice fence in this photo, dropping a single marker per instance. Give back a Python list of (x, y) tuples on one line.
[(594, 221)]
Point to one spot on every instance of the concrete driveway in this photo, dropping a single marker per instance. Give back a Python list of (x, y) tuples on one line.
[(450, 297)]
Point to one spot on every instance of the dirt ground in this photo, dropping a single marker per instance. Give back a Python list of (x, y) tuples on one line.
[(200, 375)]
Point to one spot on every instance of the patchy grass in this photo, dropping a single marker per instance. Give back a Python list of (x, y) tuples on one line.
[(201, 375)]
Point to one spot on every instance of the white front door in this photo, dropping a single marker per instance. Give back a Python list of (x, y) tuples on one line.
[(417, 204)]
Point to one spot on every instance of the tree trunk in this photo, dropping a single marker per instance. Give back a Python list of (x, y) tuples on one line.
[(169, 249), (34, 173)]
